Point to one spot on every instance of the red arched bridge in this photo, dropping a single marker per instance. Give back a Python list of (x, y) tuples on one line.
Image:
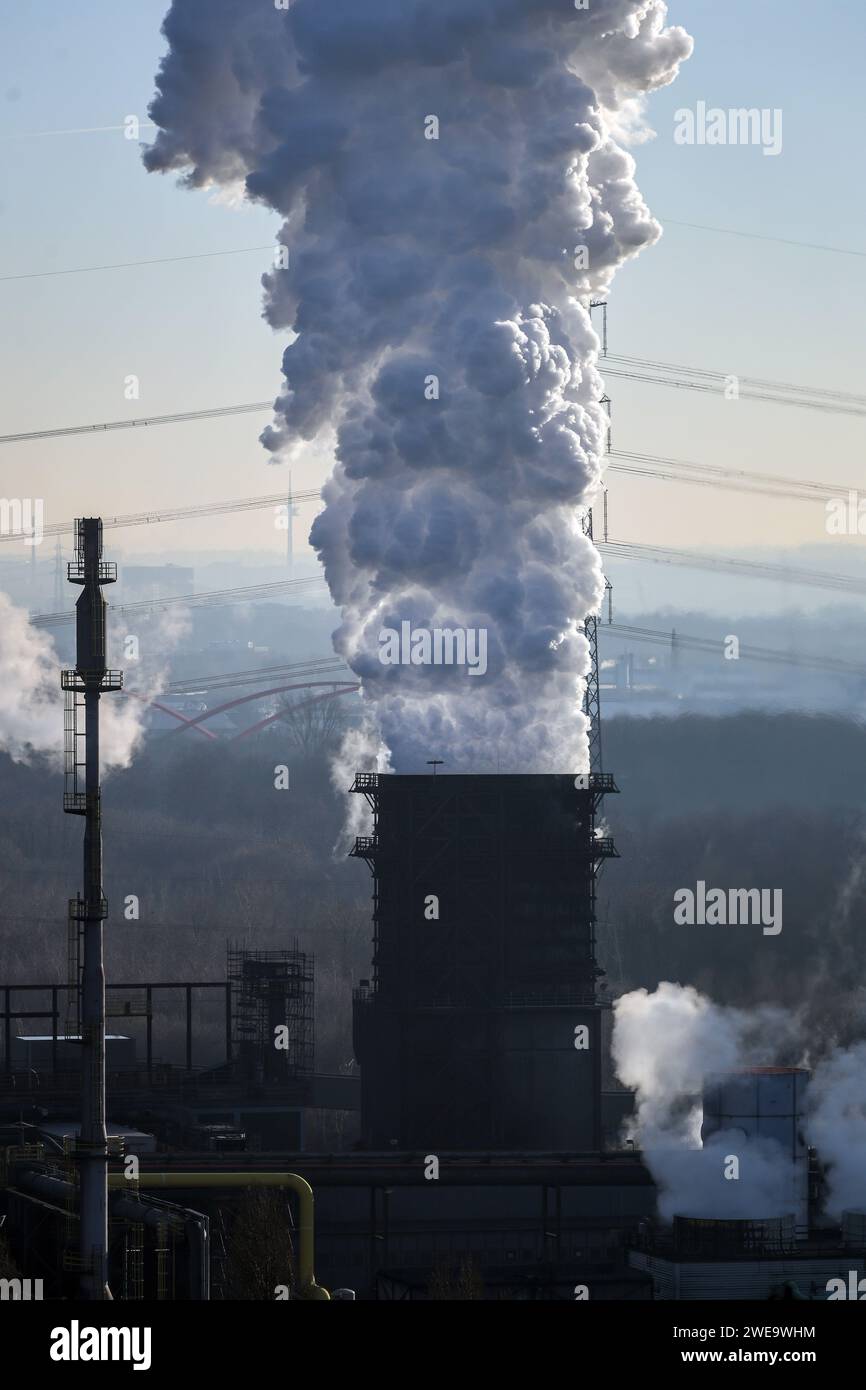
[(198, 721)]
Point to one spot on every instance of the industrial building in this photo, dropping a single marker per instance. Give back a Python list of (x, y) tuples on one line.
[(702, 1258)]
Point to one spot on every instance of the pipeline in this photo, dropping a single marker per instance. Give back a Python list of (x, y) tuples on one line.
[(308, 1288)]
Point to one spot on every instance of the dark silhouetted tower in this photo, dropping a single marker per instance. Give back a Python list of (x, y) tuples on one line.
[(88, 910), (480, 1028)]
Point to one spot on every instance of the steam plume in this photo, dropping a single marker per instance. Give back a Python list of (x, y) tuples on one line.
[(837, 1126), (452, 503), (665, 1043), (31, 701)]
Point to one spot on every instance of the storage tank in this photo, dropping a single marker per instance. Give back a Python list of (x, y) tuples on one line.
[(765, 1103)]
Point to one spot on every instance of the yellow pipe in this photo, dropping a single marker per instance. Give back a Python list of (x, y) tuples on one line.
[(306, 1278)]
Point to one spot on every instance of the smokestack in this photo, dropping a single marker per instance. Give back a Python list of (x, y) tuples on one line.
[(88, 910)]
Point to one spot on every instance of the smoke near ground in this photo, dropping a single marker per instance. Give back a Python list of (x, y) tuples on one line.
[(454, 195), (837, 1124), (666, 1042)]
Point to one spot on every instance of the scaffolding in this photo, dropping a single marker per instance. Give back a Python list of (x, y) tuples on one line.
[(273, 1011)]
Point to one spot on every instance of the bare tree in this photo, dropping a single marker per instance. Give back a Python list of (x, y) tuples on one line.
[(260, 1254), (8, 1267), (313, 724), (463, 1286)]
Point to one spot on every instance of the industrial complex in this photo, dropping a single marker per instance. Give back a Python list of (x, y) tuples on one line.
[(485, 1156)]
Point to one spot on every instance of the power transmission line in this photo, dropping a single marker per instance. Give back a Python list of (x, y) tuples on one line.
[(126, 265), (213, 598), (227, 680), (758, 236), (752, 388), (717, 475), (212, 413), (726, 564), (707, 373), (242, 504), (748, 388), (716, 646), (627, 550), (621, 461), (75, 130)]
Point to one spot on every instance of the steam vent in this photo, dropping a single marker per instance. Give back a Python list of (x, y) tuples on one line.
[(480, 1027)]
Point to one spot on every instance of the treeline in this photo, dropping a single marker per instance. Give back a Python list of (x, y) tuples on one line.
[(200, 836)]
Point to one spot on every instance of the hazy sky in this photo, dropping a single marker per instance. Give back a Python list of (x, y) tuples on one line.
[(192, 331)]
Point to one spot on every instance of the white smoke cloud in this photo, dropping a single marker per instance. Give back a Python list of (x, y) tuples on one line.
[(454, 258), (664, 1045), (837, 1126), (31, 701)]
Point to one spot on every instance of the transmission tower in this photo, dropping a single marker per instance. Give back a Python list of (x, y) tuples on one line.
[(592, 694)]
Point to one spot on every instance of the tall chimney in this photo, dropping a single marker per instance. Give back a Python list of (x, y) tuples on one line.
[(88, 910)]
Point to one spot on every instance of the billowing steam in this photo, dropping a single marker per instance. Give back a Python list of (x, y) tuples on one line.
[(837, 1124), (453, 197), (667, 1042), (31, 701)]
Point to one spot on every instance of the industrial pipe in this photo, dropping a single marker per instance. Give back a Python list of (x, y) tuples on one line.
[(309, 1289)]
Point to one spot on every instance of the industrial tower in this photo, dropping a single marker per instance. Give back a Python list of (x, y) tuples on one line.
[(481, 1025), (88, 910)]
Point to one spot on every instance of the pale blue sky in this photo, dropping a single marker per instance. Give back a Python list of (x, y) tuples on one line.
[(193, 334)]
